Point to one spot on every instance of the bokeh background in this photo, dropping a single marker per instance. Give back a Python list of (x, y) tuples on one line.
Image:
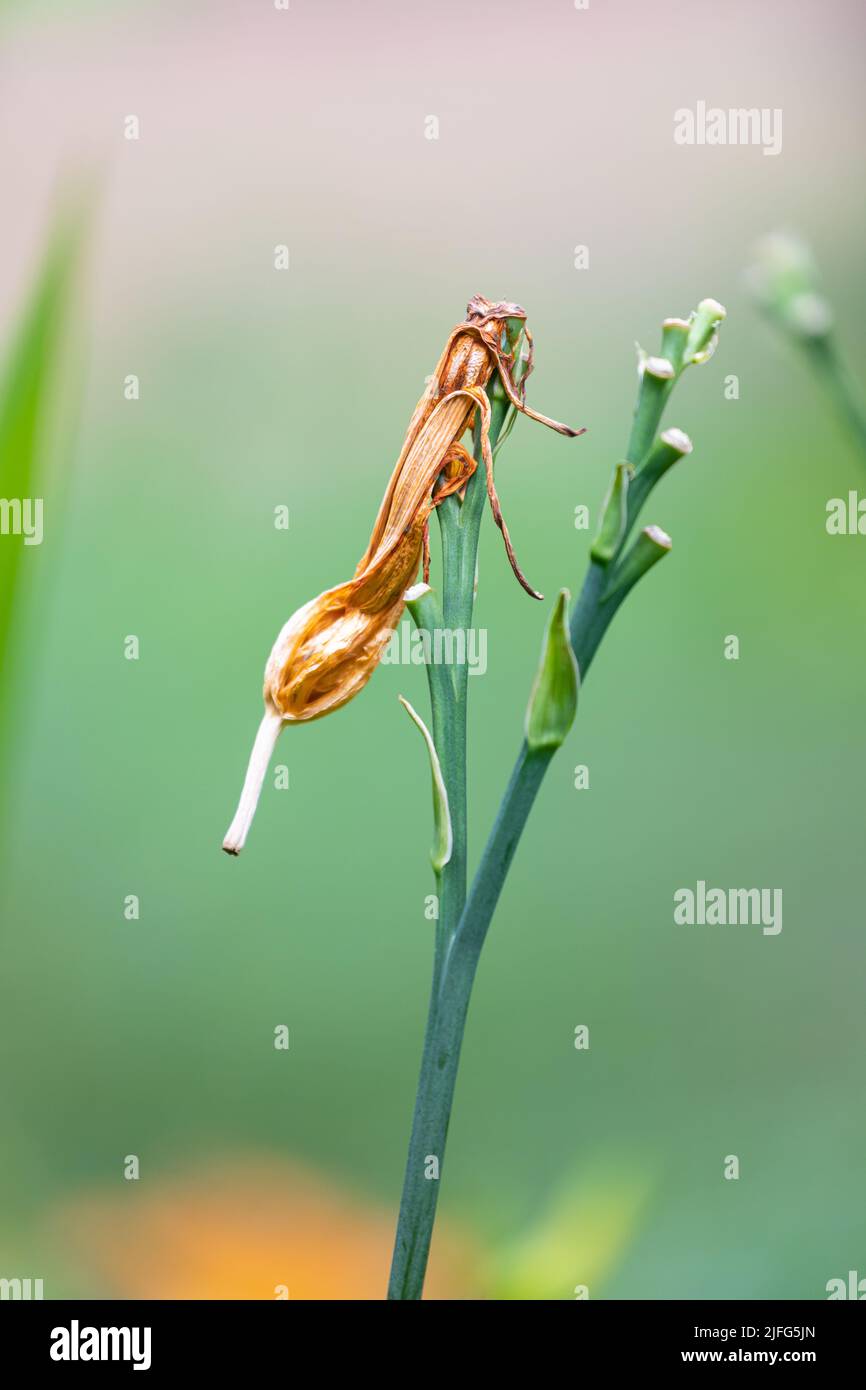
[(259, 388)]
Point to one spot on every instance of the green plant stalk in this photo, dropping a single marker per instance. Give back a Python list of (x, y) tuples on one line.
[(590, 620), (459, 524), (458, 947), (457, 954), (786, 285)]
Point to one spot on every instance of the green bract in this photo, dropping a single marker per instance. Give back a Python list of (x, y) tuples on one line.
[(553, 701)]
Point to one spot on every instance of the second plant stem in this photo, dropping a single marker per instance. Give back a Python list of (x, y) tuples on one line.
[(462, 925), (837, 381)]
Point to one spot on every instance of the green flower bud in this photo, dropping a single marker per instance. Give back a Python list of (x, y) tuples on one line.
[(553, 701)]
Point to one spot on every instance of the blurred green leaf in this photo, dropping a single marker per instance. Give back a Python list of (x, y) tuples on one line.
[(29, 395)]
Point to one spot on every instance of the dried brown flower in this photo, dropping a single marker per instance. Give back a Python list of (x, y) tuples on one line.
[(328, 649)]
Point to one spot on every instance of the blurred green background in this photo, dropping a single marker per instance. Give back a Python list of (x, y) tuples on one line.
[(259, 388)]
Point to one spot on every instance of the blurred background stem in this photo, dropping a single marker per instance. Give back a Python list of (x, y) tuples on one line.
[(785, 282), (839, 386)]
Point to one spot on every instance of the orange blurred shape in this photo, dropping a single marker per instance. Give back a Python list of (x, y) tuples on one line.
[(246, 1230)]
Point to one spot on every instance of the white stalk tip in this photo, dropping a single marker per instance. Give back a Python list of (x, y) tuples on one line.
[(677, 439), (417, 591), (659, 367), (658, 537), (266, 738)]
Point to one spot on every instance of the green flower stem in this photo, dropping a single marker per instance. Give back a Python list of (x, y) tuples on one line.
[(457, 954), (592, 615), (445, 1030), (651, 401), (786, 285), (591, 618), (459, 941), (459, 528), (459, 524)]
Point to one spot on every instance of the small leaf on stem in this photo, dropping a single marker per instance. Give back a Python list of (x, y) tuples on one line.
[(614, 516), (443, 841), (553, 701)]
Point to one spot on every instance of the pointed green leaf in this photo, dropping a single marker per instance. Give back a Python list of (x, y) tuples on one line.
[(614, 516), (443, 841), (553, 701)]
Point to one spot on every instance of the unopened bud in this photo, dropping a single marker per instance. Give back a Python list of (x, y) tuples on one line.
[(553, 701)]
